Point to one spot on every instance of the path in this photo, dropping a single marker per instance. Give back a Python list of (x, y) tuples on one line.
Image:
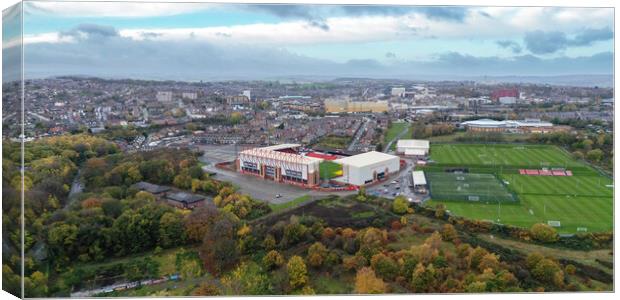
[(396, 138)]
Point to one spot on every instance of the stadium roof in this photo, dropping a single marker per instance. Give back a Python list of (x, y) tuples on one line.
[(507, 123), (365, 159), (418, 178), (281, 146), (413, 144)]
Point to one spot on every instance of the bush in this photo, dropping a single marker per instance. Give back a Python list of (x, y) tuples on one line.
[(544, 233), (400, 205)]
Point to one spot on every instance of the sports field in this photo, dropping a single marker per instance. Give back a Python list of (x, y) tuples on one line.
[(329, 169), (583, 202), (502, 156), (468, 187)]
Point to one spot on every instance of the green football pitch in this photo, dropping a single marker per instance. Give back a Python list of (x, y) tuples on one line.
[(583, 202), (329, 169), (502, 156), (468, 187)]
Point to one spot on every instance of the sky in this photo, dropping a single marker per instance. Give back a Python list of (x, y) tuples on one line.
[(202, 41)]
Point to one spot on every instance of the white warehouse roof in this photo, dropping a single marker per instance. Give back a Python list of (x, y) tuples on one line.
[(413, 144), (365, 159), (418, 178)]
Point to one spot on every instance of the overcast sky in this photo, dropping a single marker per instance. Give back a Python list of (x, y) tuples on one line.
[(224, 41)]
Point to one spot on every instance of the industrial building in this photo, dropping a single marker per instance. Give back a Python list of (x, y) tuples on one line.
[(348, 106), (367, 167), (523, 126), (280, 163), (419, 182), (413, 147)]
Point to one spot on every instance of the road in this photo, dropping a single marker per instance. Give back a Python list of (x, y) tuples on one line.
[(360, 132)]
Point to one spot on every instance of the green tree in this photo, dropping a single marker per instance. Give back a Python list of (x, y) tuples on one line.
[(171, 230), (400, 205)]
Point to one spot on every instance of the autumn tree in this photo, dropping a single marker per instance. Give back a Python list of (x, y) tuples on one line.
[(366, 282), (384, 266), (448, 233), (273, 260), (544, 233), (297, 272), (400, 205), (316, 254)]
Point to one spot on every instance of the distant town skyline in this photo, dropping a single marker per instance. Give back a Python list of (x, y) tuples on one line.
[(196, 41)]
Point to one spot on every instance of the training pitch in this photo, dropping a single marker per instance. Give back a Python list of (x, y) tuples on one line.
[(584, 200)]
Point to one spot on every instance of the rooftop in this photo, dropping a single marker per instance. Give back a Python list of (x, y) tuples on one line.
[(151, 188), (185, 197), (365, 159), (413, 143)]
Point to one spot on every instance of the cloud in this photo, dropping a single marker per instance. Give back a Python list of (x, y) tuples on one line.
[(308, 13), (445, 13), (113, 9), (541, 42), (512, 45), (90, 31), (390, 55), (589, 36), (199, 59)]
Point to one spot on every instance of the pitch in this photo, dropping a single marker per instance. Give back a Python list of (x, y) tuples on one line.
[(582, 202)]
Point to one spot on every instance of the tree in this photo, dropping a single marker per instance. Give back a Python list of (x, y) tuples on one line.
[(206, 289), (366, 282), (316, 254), (273, 260), (448, 233), (400, 205), (297, 272), (595, 155), (543, 233), (384, 266), (423, 278), (247, 279), (199, 221), (548, 271), (190, 268), (219, 249), (171, 230)]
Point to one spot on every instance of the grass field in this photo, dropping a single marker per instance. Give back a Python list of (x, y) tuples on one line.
[(393, 131), (584, 200), (281, 206), (468, 187), (502, 156), (329, 169)]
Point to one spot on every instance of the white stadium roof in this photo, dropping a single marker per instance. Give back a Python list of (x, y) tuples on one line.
[(281, 146), (413, 144), (506, 123), (365, 159)]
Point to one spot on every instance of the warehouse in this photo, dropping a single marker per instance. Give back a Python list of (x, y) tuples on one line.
[(280, 163), (367, 167), (419, 182), (413, 147)]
